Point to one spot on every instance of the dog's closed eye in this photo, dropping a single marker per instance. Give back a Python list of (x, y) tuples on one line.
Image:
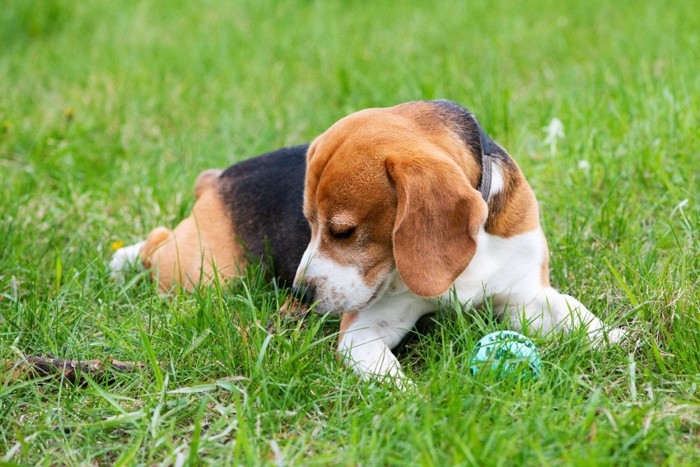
[(341, 232)]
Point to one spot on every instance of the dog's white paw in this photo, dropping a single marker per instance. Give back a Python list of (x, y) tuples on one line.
[(404, 384), (601, 338), (124, 260), (617, 336)]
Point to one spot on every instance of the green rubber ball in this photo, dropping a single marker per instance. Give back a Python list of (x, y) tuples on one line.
[(506, 354)]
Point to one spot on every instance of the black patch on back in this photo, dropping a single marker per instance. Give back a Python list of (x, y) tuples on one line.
[(264, 196)]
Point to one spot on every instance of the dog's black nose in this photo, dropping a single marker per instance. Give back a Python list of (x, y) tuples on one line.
[(304, 293)]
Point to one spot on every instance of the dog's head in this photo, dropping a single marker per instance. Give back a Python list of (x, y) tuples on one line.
[(390, 190)]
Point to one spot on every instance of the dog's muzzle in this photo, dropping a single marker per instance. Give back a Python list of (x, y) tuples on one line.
[(305, 293)]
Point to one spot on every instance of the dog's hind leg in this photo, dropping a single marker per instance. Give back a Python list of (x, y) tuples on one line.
[(200, 249)]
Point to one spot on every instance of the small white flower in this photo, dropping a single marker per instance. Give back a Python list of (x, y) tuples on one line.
[(555, 132), (583, 164), (680, 206)]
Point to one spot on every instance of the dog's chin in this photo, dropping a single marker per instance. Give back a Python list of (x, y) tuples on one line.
[(325, 306), (331, 307), (321, 307)]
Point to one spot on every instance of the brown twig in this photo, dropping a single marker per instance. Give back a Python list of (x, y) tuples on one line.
[(70, 370), (292, 310)]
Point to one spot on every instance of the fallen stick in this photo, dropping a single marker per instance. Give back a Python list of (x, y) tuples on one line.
[(70, 370), (292, 310)]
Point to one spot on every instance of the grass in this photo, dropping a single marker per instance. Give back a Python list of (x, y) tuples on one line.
[(109, 110)]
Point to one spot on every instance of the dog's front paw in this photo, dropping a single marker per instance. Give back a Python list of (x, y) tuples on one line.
[(394, 378), (600, 338), (381, 366), (617, 336), (403, 383), (124, 260)]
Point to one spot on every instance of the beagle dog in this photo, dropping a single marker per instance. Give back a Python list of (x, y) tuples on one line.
[(248, 212), (403, 207), (414, 205)]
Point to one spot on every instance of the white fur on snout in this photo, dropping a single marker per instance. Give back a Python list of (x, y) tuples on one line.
[(338, 287)]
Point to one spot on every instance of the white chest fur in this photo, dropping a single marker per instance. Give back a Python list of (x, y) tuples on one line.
[(507, 269)]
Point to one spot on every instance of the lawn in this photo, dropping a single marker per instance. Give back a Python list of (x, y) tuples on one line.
[(110, 109)]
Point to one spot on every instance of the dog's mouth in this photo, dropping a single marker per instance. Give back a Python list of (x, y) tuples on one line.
[(334, 299), (379, 291), (339, 305), (326, 306)]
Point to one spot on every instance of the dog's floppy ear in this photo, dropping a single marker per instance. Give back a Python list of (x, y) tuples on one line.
[(437, 221)]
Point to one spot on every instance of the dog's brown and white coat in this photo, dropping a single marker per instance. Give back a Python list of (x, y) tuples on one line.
[(398, 224)]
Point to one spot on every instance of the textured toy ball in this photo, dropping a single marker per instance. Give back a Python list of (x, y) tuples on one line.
[(506, 354)]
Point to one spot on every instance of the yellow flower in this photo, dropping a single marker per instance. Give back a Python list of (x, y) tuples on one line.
[(117, 245)]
